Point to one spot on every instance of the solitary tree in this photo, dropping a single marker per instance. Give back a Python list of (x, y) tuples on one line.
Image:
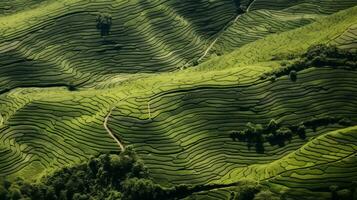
[(273, 125), (293, 75), (104, 23)]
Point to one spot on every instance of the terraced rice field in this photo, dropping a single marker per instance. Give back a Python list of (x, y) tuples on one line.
[(271, 17), (174, 79)]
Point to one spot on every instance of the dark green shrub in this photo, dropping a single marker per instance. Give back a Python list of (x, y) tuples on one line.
[(50, 193), (345, 122), (139, 189), (273, 125), (71, 87), (272, 78), (3, 192), (104, 23), (114, 195), (344, 194), (63, 195), (253, 129), (232, 196), (301, 131), (266, 195), (284, 132), (15, 194), (247, 192), (78, 196), (293, 75), (333, 189)]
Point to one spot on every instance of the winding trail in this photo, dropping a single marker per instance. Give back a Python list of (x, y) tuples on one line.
[(218, 35), (105, 123), (223, 29), (250, 5)]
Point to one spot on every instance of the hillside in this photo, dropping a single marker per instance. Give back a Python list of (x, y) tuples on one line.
[(215, 95)]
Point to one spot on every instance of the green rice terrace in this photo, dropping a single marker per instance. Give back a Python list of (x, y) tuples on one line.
[(178, 99)]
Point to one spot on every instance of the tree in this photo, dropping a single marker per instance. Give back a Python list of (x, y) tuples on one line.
[(104, 23), (71, 87), (301, 131), (63, 195), (15, 193), (93, 165), (50, 193), (273, 125), (333, 189), (78, 196), (139, 189), (254, 129), (139, 170), (344, 194), (284, 132), (195, 62), (240, 8), (3, 192), (247, 192), (114, 195), (266, 195), (293, 75), (345, 122)]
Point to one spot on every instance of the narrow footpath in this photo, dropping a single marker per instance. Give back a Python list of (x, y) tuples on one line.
[(120, 144)]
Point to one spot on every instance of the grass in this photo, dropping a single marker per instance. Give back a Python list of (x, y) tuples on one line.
[(289, 42), (179, 121), (140, 40)]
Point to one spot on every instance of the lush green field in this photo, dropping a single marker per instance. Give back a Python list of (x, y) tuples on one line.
[(177, 80)]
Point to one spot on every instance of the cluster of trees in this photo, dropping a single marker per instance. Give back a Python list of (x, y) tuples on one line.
[(124, 177), (323, 55), (344, 193), (250, 190), (102, 177), (107, 177), (104, 23), (257, 134), (277, 134), (316, 56)]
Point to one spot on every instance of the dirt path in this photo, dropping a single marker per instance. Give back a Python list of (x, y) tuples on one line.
[(122, 148), (250, 5), (222, 30), (215, 40)]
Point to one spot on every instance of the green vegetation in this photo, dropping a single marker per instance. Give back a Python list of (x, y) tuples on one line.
[(277, 134), (104, 23), (316, 56), (107, 176), (209, 94)]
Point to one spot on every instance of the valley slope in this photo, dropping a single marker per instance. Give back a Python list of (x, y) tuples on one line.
[(156, 89)]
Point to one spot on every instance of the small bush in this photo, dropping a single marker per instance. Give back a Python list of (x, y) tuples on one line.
[(293, 75), (195, 63), (301, 131), (272, 78), (284, 132), (344, 194), (345, 122), (266, 195), (273, 125), (71, 87), (104, 23)]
